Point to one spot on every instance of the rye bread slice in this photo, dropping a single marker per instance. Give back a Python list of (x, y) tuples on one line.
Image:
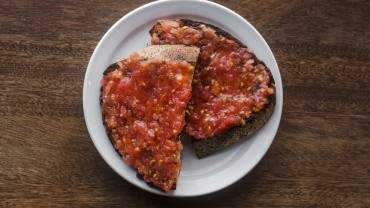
[(256, 121), (161, 52)]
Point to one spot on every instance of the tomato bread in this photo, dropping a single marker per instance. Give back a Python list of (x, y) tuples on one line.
[(233, 91), (143, 101)]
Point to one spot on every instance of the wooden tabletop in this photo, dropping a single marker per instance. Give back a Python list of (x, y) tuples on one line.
[(321, 154)]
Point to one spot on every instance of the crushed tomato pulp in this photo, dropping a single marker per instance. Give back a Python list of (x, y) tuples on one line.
[(143, 104), (229, 82)]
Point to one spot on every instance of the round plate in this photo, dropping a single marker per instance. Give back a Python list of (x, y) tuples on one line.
[(130, 33)]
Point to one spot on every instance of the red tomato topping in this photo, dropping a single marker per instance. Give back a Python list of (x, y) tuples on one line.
[(144, 105), (229, 82)]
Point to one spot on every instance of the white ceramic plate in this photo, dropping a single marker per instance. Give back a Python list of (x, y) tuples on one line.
[(130, 33)]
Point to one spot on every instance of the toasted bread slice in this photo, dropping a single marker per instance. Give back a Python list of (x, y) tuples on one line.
[(185, 31), (143, 100)]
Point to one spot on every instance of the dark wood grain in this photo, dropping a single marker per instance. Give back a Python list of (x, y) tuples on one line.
[(321, 155)]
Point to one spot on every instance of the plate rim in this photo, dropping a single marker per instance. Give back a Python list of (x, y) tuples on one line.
[(104, 38)]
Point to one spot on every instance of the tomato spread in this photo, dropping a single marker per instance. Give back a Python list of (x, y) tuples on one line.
[(229, 84), (143, 104)]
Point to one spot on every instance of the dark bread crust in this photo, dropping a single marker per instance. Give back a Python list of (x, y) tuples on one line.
[(255, 122)]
